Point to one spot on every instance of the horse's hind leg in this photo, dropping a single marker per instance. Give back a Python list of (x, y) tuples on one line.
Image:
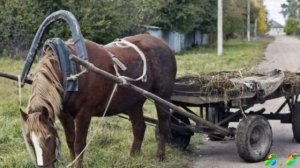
[(164, 128), (138, 127)]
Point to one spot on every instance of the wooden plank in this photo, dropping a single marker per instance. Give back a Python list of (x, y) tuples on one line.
[(184, 129), (201, 100)]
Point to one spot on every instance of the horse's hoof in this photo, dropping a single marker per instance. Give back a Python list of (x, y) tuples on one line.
[(160, 158), (134, 154)]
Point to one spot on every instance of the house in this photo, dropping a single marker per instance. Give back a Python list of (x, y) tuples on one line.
[(276, 29), (179, 41)]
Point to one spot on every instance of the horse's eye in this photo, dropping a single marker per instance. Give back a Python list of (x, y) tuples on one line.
[(51, 121), (48, 138)]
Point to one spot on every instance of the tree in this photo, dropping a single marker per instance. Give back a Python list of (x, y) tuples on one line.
[(235, 14), (104, 20), (290, 9), (261, 16), (181, 15), (291, 26), (207, 18), (16, 26)]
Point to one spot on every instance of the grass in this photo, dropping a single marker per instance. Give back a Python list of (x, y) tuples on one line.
[(111, 144), (237, 55)]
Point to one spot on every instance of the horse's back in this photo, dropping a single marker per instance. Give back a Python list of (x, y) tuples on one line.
[(161, 63), (161, 73)]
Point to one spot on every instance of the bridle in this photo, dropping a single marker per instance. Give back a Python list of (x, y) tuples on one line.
[(54, 160), (57, 159)]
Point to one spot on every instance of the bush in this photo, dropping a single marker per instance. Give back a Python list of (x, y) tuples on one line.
[(291, 26), (297, 31)]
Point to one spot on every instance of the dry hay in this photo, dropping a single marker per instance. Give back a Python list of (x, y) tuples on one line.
[(291, 83), (216, 84), (219, 84)]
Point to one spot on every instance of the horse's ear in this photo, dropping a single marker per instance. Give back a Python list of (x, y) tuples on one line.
[(24, 115)]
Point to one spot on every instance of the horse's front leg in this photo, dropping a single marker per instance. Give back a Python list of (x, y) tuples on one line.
[(82, 123), (67, 122)]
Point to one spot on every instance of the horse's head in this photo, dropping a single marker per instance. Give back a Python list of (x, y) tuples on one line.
[(42, 137)]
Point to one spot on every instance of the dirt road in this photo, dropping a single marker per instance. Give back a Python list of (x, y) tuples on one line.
[(284, 54)]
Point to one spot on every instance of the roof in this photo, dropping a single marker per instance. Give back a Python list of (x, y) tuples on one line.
[(274, 24), (151, 27)]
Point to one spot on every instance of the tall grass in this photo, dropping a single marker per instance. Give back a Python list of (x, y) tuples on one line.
[(111, 144)]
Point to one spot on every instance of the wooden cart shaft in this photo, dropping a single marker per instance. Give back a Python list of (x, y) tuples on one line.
[(126, 84)]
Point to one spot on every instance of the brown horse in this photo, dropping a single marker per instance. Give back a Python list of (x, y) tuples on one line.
[(46, 97)]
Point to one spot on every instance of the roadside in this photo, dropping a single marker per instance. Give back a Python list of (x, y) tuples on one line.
[(282, 54)]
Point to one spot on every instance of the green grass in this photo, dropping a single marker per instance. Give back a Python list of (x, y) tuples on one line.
[(111, 144), (237, 55)]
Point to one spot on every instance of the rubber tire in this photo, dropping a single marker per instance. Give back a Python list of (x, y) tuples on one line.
[(296, 122), (177, 139), (243, 134), (212, 112)]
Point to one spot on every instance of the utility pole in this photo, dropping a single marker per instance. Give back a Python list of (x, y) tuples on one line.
[(220, 27), (297, 13), (248, 20), (255, 28)]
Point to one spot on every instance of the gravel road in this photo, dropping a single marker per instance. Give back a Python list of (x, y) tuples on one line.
[(284, 54)]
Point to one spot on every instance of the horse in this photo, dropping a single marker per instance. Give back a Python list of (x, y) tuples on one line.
[(45, 100)]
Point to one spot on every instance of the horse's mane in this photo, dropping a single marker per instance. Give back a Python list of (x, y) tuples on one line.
[(46, 87)]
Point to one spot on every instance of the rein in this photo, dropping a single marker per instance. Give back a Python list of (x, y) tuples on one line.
[(122, 44), (98, 126), (48, 164)]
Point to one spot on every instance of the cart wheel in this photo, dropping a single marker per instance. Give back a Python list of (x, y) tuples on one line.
[(254, 138), (178, 139), (296, 122), (215, 114)]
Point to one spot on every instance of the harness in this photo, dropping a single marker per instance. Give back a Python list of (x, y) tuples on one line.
[(67, 67), (122, 43), (70, 82), (56, 159), (117, 64)]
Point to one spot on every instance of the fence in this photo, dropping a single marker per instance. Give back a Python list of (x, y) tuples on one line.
[(179, 41)]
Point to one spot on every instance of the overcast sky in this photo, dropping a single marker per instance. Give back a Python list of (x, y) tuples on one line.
[(274, 8)]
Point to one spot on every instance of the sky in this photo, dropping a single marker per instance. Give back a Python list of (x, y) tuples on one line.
[(274, 8)]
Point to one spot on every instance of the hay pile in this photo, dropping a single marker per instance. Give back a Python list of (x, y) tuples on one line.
[(291, 83), (215, 84), (221, 84)]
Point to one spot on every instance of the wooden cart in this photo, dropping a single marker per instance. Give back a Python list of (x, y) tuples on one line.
[(253, 134)]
